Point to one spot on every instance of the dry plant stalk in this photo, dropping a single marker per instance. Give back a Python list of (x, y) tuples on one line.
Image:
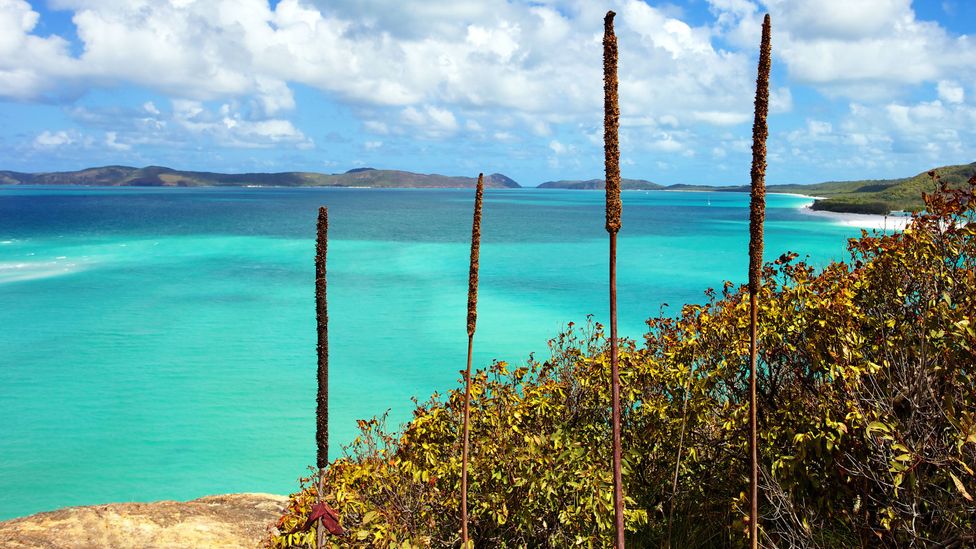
[(472, 320), (322, 347), (757, 213), (611, 124)]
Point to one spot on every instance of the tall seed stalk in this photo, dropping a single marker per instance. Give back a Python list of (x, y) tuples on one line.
[(757, 213), (322, 398), (472, 320), (611, 124)]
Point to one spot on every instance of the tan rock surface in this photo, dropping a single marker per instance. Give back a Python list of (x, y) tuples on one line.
[(233, 520)]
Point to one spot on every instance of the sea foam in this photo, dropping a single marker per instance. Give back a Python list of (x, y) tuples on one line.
[(21, 271)]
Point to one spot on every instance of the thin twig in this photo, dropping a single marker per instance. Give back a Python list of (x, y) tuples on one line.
[(681, 442)]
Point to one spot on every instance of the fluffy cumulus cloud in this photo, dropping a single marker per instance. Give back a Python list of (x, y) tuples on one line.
[(883, 136), (48, 139), (179, 125), (30, 65), (868, 48), (494, 72), (898, 75), (423, 68)]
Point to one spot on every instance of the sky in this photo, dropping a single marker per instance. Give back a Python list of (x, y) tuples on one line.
[(860, 89)]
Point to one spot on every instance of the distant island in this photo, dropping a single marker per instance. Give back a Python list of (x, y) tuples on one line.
[(872, 196), (158, 176), (593, 184)]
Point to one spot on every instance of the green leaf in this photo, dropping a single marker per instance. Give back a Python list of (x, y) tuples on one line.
[(878, 426)]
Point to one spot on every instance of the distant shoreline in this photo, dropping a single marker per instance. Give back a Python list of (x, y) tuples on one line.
[(861, 221)]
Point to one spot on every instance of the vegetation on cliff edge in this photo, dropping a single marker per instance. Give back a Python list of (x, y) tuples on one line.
[(867, 415)]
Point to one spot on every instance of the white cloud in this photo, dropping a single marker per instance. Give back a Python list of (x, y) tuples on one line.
[(899, 137), (501, 42), (429, 121), (377, 127), (720, 118), (526, 72), (950, 92), (31, 66), (111, 141), (839, 19), (780, 100), (186, 123), (864, 49), (48, 139), (666, 143), (563, 153), (818, 127), (538, 62)]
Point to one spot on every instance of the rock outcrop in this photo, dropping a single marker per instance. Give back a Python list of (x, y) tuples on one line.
[(233, 520)]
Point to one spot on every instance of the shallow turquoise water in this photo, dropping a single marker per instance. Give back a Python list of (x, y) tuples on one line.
[(159, 343)]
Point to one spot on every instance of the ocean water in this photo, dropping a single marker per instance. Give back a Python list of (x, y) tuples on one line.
[(160, 343)]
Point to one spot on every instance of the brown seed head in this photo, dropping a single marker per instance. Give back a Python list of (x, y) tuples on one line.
[(322, 321), (475, 250), (757, 206), (611, 123)]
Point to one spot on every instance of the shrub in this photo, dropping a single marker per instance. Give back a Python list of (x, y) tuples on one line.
[(867, 419)]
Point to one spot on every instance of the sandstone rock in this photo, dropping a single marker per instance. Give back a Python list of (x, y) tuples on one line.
[(233, 520)]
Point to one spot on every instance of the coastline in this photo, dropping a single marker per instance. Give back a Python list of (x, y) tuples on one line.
[(860, 221)]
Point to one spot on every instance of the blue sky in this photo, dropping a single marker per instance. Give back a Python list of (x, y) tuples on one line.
[(865, 89)]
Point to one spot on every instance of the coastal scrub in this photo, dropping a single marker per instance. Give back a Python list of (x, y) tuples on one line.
[(868, 430)]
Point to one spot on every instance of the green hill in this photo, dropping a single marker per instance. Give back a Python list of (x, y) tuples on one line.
[(871, 196), (158, 176), (883, 195)]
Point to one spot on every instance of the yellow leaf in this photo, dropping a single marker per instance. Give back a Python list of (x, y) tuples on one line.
[(960, 487)]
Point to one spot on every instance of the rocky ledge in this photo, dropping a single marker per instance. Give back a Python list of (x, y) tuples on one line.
[(233, 520)]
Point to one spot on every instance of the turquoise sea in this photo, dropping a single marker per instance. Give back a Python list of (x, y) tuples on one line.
[(160, 343)]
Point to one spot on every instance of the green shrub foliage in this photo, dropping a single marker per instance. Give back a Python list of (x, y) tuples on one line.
[(867, 419)]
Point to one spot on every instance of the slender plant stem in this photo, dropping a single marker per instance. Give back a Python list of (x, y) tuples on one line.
[(618, 492), (322, 398), (681, 442), (611, 124), (464, 455), (472, 321), (757, 214)]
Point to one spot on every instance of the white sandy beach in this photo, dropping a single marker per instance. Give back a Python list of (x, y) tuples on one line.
[(862, 221)]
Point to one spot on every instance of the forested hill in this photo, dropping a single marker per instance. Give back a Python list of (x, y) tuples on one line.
[(870, 196), (157, 176), (873, 196), (880, 196)]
